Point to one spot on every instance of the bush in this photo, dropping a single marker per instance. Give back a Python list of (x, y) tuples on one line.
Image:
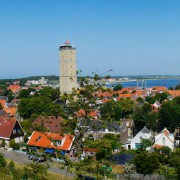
[(3, 144), (14, 145), (2, 160)]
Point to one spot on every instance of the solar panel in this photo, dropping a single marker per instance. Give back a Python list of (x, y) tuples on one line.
[(122, 158)]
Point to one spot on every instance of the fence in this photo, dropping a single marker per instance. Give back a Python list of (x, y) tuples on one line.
[(140, 177)]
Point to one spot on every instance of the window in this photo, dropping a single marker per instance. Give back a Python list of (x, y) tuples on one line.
[(58, 143), (14, 131), (137, 145), (163, 140), (38, 138)]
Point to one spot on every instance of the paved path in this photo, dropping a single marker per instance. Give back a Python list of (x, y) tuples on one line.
[(23, 158)]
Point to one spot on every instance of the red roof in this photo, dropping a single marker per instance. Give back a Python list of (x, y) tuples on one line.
[(81, 113), (48, 140), (11, 111), (14, 88), (157, 146), (124, 96), (2, 102), (159, 88), (104, 94), (174, 93), (91, 150), (53, 123), (6, 126)]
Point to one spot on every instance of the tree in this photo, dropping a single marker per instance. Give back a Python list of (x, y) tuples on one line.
[(107, 77), (151, 99), (117, 87), (3, 143), (2, 160), (110, 111), (24, 93), (16, 173), (114, 110), (143, 116), (146, 163), (168, 171), (161, 96), (49, 92), (177, 87), (175, 160), (105, 146), (169, 114), (38, 105), (35, 171), (14, 145), (10, 96), (164, 154), (145, 143), (140, 100), (170, 88)]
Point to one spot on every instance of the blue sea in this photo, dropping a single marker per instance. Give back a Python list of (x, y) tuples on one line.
[(149, 83)]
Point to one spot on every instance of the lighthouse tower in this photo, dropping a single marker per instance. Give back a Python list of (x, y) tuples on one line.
[(68, 76)]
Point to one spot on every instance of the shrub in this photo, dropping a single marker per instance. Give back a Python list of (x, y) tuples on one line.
[(2, 160), (14, 145)]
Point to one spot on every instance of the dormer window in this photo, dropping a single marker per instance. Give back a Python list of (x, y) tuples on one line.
[(58, 143), (38, 138)]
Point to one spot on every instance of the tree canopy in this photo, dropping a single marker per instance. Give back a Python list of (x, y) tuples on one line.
[(117, 87), (169, 114)]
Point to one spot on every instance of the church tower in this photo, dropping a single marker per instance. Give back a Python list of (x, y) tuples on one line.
[(68, 76)]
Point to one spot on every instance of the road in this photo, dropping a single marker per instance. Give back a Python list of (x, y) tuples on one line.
[(23, 159)]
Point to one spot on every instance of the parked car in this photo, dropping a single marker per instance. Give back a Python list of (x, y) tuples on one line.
[(37, 158)]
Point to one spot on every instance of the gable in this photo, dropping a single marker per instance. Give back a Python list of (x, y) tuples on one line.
[(6, 127), (159, 139)]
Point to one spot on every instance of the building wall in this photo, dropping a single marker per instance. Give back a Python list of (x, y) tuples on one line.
[(163, 140), (68, 77), (137, 139)]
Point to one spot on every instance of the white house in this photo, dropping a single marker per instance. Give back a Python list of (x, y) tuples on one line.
[(136, 141), (164, 138)]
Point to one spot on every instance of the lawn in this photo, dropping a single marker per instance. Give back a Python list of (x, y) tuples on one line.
[(50, 176)]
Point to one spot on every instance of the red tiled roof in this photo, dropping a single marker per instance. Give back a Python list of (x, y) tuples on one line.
[(14, 88), (166, 132), (2, 102), (51, 122), (125, 95), (159, 88), (174, 93), (105, 100), (157, 146), (6, 126), (47, 140), (11, 111), (104, 94), (91, 149), (81, 113)]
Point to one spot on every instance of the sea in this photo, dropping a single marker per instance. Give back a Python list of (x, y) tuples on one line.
[(148, 83)]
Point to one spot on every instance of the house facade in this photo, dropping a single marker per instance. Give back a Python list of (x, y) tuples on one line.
[(51, 141), (164, 138), (10, 129), (135, 143)]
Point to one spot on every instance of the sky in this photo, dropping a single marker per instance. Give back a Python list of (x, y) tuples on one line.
[(132, 37)]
